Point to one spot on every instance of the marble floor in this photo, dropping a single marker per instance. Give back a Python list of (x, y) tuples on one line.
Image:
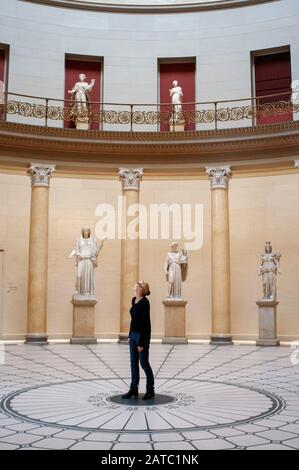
[(60, 396)]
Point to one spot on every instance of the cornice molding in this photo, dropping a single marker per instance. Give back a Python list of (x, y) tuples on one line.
[(119, 7), (72, 135), (238, 144)]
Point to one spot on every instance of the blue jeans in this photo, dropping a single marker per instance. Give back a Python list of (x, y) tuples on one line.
[(137, 356)]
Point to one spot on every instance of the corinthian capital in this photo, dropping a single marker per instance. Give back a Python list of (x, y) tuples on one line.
[(130, 178), (219, 177), (40, 174)]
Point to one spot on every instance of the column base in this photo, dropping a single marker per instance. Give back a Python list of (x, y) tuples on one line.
[(83, 340), (267, 323), (174, 340), (36, 338), (83, 320), (267, 342), (174, 321), (221, 340), (123, 338)]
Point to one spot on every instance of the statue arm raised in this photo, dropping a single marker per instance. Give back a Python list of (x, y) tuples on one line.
[(90, 86)]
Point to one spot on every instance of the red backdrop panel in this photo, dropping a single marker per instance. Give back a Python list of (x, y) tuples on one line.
[(2, 77), (92, 69), (273, 75), (184, 73), (2, 65)]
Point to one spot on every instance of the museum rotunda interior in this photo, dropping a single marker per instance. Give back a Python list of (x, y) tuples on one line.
[(149, 146)]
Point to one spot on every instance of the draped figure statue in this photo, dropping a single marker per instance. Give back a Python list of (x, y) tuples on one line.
[(86, 252), (269, 268), (176, 269), (176, 94), (80, 94)]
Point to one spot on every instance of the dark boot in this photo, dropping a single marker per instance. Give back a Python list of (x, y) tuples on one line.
[(149, 394), (132, 392)]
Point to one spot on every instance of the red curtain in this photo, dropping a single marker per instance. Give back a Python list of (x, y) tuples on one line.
[(92, 69), (184, 73), (2, 65), (2, 78), (273, 76)]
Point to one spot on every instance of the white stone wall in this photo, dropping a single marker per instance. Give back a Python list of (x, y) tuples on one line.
[(221, 40)]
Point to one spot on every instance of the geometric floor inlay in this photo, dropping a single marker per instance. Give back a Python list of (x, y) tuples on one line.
[(68, 396), (192, 405)]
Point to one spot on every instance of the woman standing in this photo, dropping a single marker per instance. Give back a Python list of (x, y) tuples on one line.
[(139, 340)]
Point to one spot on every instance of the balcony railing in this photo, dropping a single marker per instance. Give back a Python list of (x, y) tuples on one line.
[(205, 114)]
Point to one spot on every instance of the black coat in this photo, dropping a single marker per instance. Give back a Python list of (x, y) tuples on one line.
[(140, 320)]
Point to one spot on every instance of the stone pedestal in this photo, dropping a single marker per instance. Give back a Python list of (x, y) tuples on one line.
[(83, 321), (82, 124), (177, 127), (267, 323), (174, 321)]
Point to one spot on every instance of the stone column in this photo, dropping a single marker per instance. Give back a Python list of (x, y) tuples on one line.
[(221, 328), (38, 253), (130, 178)]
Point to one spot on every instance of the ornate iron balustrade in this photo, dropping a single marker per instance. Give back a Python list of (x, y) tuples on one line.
[(209, 112)]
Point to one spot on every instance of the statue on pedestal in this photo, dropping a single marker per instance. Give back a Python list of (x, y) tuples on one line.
[(86, 251), (269, 268), (176, 94), (176, 268), (80, 95)]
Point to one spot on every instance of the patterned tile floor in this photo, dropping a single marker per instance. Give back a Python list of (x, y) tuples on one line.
[(231, 397)]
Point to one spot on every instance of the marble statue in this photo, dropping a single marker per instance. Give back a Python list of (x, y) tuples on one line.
[(176, 94), (86, 251), (269, 268), (176, 267), (80, 93)]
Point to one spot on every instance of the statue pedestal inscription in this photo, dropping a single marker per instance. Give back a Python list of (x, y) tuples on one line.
[(83, 321), (267, 323), (174, 321)]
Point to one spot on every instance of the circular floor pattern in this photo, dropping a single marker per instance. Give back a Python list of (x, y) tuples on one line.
[(87, 405)]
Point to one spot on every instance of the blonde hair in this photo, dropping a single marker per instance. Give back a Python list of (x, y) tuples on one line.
[(145, 287)]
